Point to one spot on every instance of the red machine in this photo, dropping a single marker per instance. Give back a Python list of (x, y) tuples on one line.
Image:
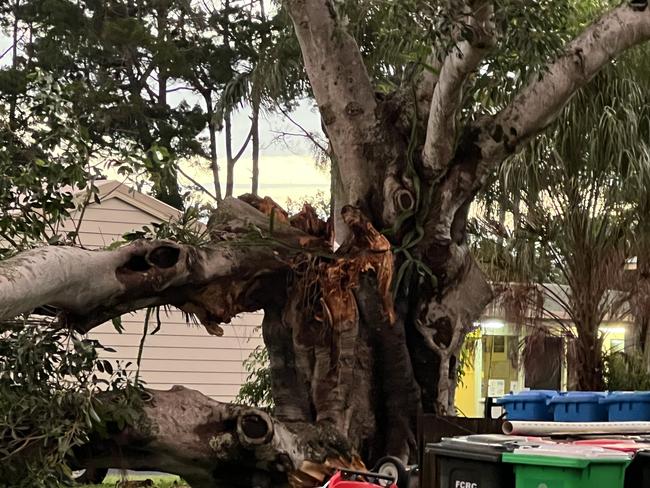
[(360, 479)]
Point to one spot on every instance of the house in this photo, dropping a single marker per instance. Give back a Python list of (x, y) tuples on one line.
[(178, 354), (496, 365)]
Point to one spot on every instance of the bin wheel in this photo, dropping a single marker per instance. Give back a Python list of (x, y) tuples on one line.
[(392, 466)]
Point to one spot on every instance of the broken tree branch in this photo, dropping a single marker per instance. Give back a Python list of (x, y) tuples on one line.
[(213, 444), (210, 282)]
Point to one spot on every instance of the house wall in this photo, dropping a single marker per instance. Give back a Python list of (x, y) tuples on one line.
[(182, 354), (105, 223), (178, 354), (469, 394)]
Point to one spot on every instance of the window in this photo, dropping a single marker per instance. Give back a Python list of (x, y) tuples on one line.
[(499, 343)]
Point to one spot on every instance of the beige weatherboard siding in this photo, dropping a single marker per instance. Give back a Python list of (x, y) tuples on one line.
[(181, 354), (178, 354)]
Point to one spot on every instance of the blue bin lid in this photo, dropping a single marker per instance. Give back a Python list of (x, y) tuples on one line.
[(627, 396), (579, 397), (527, 396)]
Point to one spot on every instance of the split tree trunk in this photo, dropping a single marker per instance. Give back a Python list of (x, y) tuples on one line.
[(362, 339)]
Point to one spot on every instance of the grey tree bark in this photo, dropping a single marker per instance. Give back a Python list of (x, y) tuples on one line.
[(360, 340)]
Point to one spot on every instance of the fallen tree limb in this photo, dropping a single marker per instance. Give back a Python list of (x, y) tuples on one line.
[(211, 282), (213, 444)]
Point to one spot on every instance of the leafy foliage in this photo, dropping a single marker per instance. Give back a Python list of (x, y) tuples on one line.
[(256, 391), (626, 372), (50, 386), (564, 211), (43, 163), (187, 229), (126, 62), (397, 39)]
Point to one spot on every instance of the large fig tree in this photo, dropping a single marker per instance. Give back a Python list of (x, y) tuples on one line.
[(363, 318)]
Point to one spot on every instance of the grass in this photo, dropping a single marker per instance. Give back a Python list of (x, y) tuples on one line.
[(167, 481)]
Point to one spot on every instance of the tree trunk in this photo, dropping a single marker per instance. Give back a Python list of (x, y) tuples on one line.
[(589, 359), (14, 63), (230, 161), (214, 161), (169, 191), (255, 131), (641, 307)]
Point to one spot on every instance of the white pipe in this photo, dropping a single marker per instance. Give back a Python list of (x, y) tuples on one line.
[(516, 427)]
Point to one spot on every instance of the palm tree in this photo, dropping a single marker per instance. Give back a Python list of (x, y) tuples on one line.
[(571, 211)]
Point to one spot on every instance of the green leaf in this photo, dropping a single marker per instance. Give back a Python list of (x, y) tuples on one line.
[(108, 367), (117, 324)]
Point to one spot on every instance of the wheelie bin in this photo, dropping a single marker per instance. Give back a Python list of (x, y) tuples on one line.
[(637, 474), (469, 463), (567, 466), (579, 406), (528, 405)]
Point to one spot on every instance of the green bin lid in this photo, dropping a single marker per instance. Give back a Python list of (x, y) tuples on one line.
[(558, 461)]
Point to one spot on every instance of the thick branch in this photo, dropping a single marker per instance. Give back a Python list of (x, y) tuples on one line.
[(457, 67), (341, 86), (444, 322), (425, 86), (486, 143), (212, 282), (58, 276), (213, 444), (543, 98)]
